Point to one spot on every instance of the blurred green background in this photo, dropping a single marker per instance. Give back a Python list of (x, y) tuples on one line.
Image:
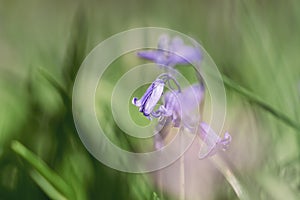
[(42, 44)]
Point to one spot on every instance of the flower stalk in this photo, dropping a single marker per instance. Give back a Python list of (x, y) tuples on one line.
[(223, 168)]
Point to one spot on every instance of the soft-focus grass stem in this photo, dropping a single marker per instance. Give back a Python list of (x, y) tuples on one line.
[(230, 177), (182, 173), (182, 178), (260, 103), (42, 168)]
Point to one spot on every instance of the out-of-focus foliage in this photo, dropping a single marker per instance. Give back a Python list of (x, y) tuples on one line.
[(43, 43)]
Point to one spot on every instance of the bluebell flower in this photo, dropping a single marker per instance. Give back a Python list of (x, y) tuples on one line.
[(151, 97), (180, 110), (181, 107), (170, 53), (213, 142), (149, 100)]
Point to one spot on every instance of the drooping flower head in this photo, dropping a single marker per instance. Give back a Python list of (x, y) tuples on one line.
[(182, 106), (172, 52), (179, 109), (151, 97), (214, 143)]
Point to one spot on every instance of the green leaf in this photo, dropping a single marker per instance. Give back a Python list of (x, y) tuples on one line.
[(62, 91), (46, 186), (44, 170)]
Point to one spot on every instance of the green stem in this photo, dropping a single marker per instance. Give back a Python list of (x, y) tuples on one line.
[(57, 182), (230, 177), (182, 175), (260, 103)]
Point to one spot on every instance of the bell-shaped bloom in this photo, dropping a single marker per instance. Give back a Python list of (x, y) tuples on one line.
[(153, 94), (179, 109), (213, 142), (183, 107), (171, 53), (149, 100)]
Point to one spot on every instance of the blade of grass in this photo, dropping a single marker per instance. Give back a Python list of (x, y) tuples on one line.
[(182, 174), (230, 177), (76, 48), (260, 103), (65, 95), (46, 186), (53, 178), (155, 196), (276, 187)]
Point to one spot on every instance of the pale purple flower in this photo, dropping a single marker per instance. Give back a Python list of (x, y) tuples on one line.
[(182, 106), (213, 142), (180, 109), (150, 98), (153, 94), (170, 53)]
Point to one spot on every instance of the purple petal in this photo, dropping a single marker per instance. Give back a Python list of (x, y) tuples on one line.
[(172, 53), (212, 141), (176, 43), (150, 98), (192, 96), (154, 97), (149, 55), (224, 143), (186, 55), (183, 54), (183, 105), (159, 57)]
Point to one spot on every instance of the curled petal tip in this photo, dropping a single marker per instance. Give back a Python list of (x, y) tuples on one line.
[(224, 143), (148, 117), (134, 101), (227, 137), (213, 142)]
